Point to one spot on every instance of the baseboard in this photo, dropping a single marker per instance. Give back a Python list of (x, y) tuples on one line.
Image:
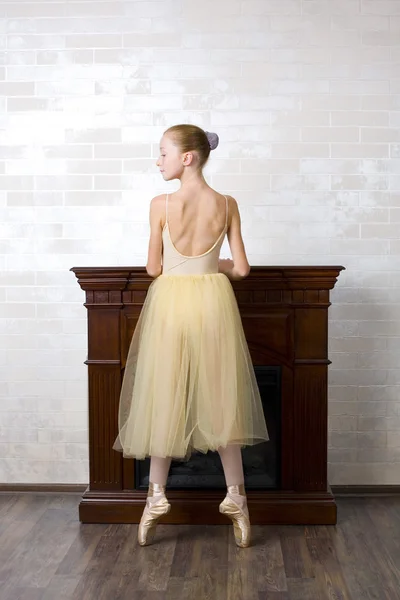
[(270, 507), (43, 488), (70, 488), (365, 490)]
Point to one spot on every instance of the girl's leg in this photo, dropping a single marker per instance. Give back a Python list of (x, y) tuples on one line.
[(234, 505), (156, 504), (159, 469), (231, 458)]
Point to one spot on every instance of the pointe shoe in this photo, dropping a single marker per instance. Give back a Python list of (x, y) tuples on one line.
[(240, 520), (152, 513)]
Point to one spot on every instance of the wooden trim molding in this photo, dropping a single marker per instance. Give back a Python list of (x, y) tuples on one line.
[(48, 488), (43, 488), (366, 490)]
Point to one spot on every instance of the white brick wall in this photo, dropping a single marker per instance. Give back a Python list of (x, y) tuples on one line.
[(305, 97)]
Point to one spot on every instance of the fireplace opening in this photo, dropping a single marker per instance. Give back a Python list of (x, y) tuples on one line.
[(261, 463)]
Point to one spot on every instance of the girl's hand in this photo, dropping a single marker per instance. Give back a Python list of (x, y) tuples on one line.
[(225, 265)]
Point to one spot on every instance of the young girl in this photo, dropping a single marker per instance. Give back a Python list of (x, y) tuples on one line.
[(189, 383)]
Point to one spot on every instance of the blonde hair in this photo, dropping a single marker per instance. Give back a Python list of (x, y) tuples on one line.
[(190, 137)]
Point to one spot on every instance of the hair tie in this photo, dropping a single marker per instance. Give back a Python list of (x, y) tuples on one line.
[(213, 139)]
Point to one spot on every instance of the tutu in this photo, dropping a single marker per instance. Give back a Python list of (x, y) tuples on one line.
[(189, 383)]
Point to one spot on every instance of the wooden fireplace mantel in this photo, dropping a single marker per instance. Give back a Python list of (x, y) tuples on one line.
[(285, 318)]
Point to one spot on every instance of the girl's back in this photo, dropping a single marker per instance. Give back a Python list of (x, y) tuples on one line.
[(195, 223)]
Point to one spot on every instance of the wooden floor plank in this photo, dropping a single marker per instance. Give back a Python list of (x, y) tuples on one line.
[(296, 557), (305, 589), (13, 534), (243, 572), (214, 563), (7, 501), (24, 507), (36, 559), (182, 588), (61, 587), (361, 556), (386, 519), (273, 596), (183, 556), (123, 578), (101, 565), (82, 549), (157, 560), (22, 593), (327, 568), (268, 561)]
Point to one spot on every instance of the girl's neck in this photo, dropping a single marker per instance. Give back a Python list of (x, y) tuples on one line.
[(193, 181)]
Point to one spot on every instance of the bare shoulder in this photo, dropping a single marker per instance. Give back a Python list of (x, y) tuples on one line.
[(158, 201), (157, 205), (157, 210), (232, 203), (232, 206)]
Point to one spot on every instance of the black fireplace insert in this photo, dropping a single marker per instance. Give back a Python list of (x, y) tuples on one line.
[(261, 462)]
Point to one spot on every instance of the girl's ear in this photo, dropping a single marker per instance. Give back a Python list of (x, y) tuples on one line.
[(188, 158)]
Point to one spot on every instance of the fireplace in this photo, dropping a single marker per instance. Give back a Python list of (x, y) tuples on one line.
[(284, 312), (261, 463)]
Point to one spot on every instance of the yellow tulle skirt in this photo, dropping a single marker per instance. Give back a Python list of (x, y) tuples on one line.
[(189, 382)]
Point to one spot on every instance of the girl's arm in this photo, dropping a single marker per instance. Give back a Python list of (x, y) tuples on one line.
[(239, 267), (154, 266)]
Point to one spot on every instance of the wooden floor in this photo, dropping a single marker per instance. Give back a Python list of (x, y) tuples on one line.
[(46, 554)]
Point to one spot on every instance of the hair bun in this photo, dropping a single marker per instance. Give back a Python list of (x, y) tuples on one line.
[(213, 139)]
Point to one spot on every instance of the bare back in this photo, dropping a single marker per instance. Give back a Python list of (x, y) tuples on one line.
[(195, 224)]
